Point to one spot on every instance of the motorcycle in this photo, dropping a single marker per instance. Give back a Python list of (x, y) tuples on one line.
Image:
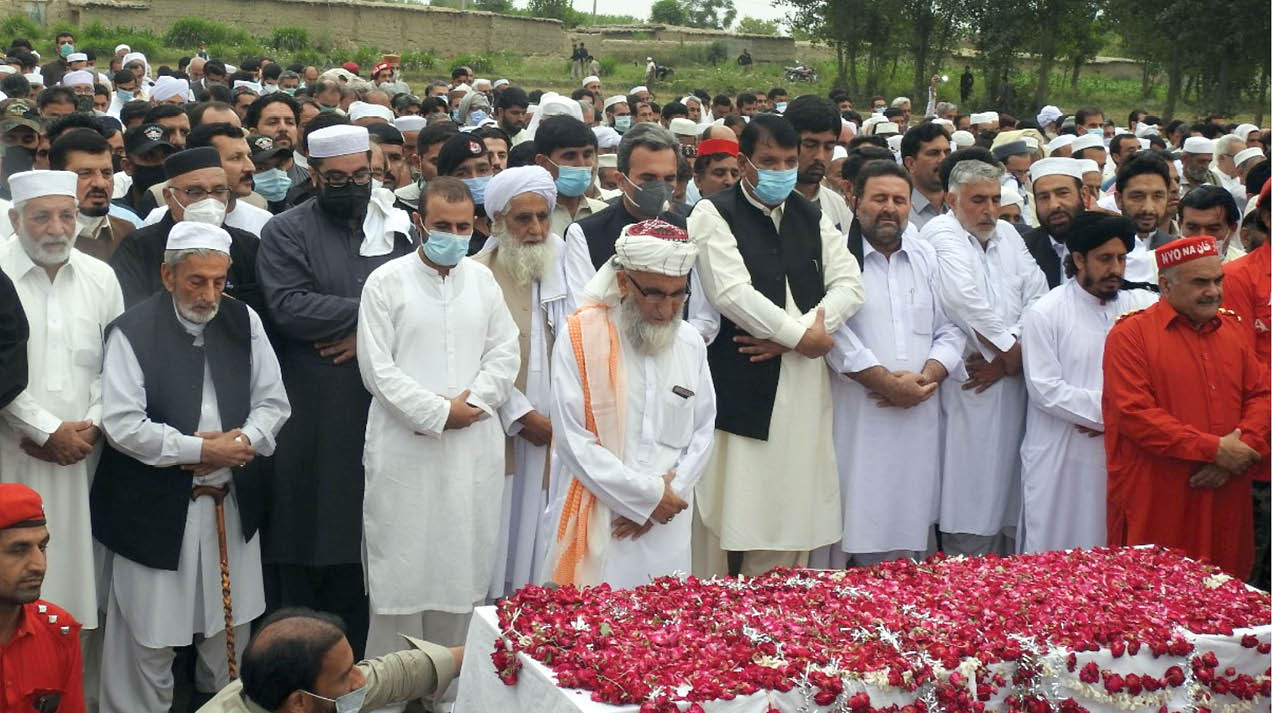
[(801, 73)]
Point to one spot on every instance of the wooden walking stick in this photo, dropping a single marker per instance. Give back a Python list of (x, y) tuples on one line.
[(218, 497)]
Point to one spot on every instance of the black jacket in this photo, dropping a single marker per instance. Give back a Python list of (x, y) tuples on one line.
[(1039, 243)]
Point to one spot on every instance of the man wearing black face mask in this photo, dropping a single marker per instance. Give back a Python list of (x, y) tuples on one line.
[(20, 130), (313, 261), (647, 176), (145, 148)]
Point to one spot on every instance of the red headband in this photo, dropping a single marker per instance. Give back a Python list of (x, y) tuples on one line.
[(1183, 250), (714, 146)]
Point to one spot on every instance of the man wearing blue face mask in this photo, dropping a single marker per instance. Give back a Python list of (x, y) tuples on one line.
[(646, 176), (566, 148), (780, 274), (439, 352), (466, 157), (300, 660)]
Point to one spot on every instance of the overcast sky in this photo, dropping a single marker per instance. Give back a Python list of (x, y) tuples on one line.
[(762, 9)]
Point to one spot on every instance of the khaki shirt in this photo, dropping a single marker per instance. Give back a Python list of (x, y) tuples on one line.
[(396, 678), (561, 217)]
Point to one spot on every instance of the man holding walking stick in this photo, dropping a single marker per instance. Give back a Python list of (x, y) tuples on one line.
[(191, 394)]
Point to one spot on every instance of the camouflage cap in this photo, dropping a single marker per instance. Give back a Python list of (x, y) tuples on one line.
[(20, 112)]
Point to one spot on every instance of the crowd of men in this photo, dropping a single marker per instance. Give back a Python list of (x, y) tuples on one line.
[(312, 354)]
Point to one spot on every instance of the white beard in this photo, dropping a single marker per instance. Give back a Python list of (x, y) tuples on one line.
[(49, 250), (646, 338), (524, 261), (192, 315)]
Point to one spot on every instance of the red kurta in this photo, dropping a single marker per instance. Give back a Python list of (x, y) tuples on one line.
[(1170, 393), (1247, 290), (41, 664)]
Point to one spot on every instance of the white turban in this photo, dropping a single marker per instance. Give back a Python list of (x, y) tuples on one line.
[(1010, 196), (606, 137), (79, 76), (512, 182), (133, 57), (962, 139), (1243, 130), (168, 87), (589, 79), (553, 104), (616, 99), (1049, 114), (655, 246)]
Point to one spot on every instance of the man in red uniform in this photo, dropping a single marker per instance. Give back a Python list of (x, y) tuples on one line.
[(1247, 290), (40, 668), (1182, 435)]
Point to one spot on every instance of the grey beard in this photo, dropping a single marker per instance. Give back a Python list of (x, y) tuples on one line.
[(525, 262), (646, 338)]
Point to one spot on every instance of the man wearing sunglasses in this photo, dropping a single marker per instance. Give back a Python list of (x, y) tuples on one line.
[(197, 191)]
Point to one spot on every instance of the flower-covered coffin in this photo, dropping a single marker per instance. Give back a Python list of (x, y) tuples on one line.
[(1132, 629)]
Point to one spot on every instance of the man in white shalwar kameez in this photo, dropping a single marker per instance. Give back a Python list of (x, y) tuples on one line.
[(779, 273), (987, 279), (438, 351), (634, 427), (1063, 473), (50, 434), (169, 449), (889, 360), (524, 255)]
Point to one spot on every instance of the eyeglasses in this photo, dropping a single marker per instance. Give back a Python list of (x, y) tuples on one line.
[(658, 295), (336, 179), (195, 193)]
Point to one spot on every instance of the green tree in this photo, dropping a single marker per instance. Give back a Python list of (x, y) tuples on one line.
[(711, 14), (554, 9), (668, 12), (756, 26), (493, 5)]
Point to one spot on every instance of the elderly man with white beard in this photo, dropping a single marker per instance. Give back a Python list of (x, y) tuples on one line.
[(51, 432), (633, 405), (524, 255)]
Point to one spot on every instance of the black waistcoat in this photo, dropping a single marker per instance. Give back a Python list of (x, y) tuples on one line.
[(139, 511), (745, 390), (601, 229)]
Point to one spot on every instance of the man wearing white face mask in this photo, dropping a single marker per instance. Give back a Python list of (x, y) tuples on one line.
[(198, 192), (439, 352)]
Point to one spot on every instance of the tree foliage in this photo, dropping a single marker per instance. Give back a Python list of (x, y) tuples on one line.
[(707, 14), (756, 26)]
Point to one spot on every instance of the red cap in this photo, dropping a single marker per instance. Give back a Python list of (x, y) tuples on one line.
[(19, 503), (379, 68), (712, 146), (657, 228), (350, 67), (1263, 194), (1183, 250)]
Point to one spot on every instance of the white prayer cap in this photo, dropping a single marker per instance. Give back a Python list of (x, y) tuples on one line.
[(838, 152), (500, 83), (683, 127), (339, 140), (886, 128), (962, 139), (981, 118), (363, 110), (1049, 114), (481, 84), (949, 125), (231, 69), (589, 79), (639, 88), (1060, 142), (133, 57), (1088, 165), (607, 160), (1243, 130), (553, 104), (1010, 196), (1087, 141), (512, 182), (617, 98), (77, 57), (993, 115), (894, 143), (410, 122), (36, 78), (125, 48), (1143, 129), (655, 246), (606, 137), (1245, 155), (1198, 144), (867, 126), (35, 184), (7, 69), (79, 76), (168, 87), (1145, 144), (193, 235), (255, 87), (1055, 167)]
